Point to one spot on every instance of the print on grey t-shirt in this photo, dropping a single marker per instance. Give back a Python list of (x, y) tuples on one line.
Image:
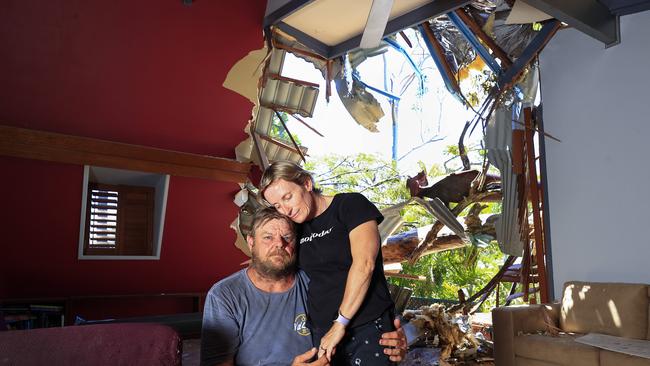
[(252, 326)]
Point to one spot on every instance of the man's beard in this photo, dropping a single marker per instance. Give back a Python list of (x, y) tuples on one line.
[(267, 268)]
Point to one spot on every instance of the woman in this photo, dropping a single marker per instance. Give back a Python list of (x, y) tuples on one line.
[(339, 247)]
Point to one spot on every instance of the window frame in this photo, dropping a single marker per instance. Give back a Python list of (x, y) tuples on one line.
[(121, 220), (117, 177)]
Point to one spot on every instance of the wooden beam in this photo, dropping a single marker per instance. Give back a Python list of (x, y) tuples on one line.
[(278, 143), (440, 53), (399, 247), (48, 146), (540, 252)]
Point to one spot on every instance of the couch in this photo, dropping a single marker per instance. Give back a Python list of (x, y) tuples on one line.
[(545, 334), (100, 344)]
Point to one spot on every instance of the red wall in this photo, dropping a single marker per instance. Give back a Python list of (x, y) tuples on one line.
[(145, 72)]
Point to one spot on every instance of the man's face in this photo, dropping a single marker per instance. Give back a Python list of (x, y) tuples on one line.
[(273, 249)]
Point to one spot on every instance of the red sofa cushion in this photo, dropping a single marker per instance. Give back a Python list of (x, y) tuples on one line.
[(101, 344)]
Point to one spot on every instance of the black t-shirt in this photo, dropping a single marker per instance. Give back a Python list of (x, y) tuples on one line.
[(325, 254)]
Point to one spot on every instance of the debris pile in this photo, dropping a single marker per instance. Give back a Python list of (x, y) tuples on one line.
[(452, 333)]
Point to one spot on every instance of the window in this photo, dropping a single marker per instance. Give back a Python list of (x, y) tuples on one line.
[(122, 214), (119, 220)]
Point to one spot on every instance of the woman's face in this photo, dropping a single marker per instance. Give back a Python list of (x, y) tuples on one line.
[(292, 200)]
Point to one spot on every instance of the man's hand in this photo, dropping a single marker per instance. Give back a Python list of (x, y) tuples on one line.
[(330, 340), (395, 342), (304, 358)]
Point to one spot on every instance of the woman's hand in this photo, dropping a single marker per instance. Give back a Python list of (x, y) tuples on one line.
[(330, 340), (395, 342)]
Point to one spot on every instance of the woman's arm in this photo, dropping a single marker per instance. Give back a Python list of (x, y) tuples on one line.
[(364, 244)]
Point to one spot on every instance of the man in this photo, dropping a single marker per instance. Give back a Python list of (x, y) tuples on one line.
[(257, 315)]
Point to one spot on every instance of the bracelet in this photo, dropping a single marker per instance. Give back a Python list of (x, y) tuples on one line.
[(343, 320)]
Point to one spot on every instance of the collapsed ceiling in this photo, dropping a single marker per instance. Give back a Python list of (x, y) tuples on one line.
[(502, 36)]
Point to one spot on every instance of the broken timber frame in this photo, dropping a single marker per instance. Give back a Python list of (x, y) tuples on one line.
[(540, 251)]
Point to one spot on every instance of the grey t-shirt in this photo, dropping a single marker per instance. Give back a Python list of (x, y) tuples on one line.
[(254, 327)]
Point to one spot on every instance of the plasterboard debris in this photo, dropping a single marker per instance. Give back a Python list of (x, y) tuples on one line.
[(244, 76), (522, 13)]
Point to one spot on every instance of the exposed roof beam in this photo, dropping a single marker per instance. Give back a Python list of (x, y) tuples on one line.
[(588, 16), (534, 47), (284, 11), (48, 146)]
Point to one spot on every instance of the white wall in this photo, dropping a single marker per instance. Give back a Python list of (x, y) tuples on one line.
[(597, 102)]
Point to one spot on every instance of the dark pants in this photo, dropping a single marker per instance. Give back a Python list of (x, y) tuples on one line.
[(360, 345)]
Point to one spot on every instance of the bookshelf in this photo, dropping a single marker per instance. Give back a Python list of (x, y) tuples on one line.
[(33, 313)]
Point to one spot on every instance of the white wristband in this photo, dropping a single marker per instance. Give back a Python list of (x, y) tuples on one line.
[(343, 320)]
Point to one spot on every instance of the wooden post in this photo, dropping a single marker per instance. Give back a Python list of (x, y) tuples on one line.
[(540, 252)]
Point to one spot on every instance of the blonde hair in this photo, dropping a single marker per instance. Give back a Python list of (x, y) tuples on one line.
[(285, 170)]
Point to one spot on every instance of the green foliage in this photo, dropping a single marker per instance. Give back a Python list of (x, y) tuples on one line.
[(278, 130), (447, 272), (452, 150), (379, 180)]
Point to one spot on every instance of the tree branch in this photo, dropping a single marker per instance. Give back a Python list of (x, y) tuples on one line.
[(434, 138)]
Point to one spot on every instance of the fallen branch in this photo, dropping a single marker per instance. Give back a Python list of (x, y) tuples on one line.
[(430, 238)]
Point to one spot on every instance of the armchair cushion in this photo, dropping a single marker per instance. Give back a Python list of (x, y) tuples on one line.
[(561, 349), (616, 309), (609, 358)]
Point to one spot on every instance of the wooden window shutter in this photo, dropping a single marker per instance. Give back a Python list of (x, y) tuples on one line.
[(119, 220), (136, 222)]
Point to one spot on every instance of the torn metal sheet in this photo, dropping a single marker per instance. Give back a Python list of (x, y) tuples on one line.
[(274, 150), (528, 85), (285, 42), (393, 220), (440, 211), (498, 141), (289, 95), (512, 38), (285, 94), (269, 148), (475, 42), (361, 105), (458, 51)]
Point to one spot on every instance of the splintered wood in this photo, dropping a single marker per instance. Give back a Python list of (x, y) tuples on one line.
[(445, 331)]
